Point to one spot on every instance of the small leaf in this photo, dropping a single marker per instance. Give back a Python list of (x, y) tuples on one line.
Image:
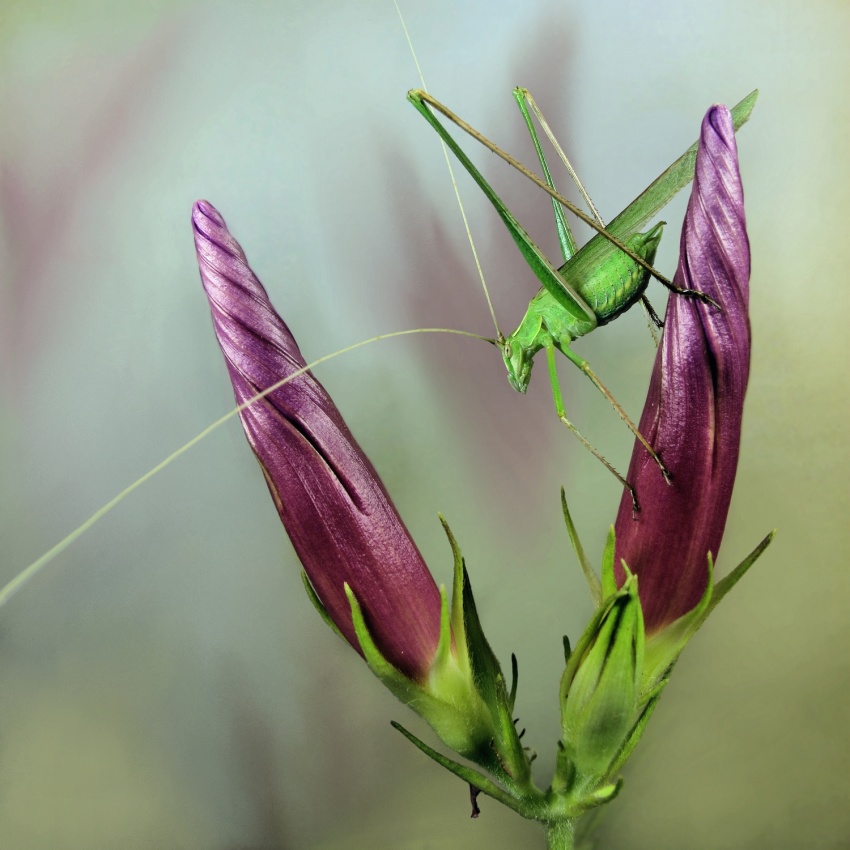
[(467, 774)]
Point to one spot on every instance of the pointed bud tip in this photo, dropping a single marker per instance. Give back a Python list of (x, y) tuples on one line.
[(718, 120), (204, 211)]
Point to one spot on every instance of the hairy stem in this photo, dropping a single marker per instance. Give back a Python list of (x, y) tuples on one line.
[(560, 834)]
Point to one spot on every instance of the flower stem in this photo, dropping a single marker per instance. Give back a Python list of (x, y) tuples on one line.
[(559, 834)]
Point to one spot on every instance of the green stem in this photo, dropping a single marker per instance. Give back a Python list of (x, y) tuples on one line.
[(559, 834)]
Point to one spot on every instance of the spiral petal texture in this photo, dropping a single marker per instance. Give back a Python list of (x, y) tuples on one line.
[(694, 407), (342, 523)]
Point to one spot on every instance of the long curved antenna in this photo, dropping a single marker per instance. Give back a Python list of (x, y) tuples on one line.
[(28, 574), (454, 183)]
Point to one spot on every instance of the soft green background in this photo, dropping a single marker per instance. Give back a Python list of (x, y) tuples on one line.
[(165, 684)]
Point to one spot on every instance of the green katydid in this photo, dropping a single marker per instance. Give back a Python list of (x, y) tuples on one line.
[(595, 284)]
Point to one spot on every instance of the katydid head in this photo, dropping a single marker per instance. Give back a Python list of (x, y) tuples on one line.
[(518, 362)]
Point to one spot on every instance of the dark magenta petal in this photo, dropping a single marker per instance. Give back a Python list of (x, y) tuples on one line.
[(693, 410), (333, 505)]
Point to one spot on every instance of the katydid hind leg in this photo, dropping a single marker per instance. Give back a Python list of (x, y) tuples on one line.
[(543, 269), (582, 364), (524, 100), (562, 415)]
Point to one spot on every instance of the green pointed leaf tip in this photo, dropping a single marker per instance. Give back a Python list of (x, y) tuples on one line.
[(665, 646), (601, 705)]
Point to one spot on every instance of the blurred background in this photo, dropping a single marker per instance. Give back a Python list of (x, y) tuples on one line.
[(165, 683)]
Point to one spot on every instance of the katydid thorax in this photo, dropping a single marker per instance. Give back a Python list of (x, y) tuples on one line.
[(594, 285)]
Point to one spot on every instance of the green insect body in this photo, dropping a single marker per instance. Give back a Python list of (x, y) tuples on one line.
[(617, 284), (595, 284)]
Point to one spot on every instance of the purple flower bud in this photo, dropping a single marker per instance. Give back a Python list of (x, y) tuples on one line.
[(334, 507), (693, 410)]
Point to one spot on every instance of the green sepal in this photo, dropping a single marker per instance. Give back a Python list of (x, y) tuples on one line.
[(609, 580), (573, 797), (600, 704), (502, 754), (405, 689), (486, 670), (635, 735), (584, 643), (596, 590), (664, 647), (456, 622), (444, 646), (446, 701), (317, 604), (565, 772)]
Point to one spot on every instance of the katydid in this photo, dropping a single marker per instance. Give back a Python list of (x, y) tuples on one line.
[(595, 284)]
